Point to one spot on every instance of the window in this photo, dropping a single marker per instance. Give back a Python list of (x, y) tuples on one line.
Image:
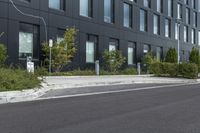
[(167, 28), (187, 16), (146, 49), (147, 3), (86, 8), (199, 5), (156, 24), (199, 38), (127, 15), (57, 4), (185, 34), (186, 2), (159, 52), (27, 1), (28, 41), (109, 11), (194, 19), (179, 11), (60, 34), (91, 48), (193, 4), (113, 44), (131, 53), (160, 6), (170, 8), (177, 31), (193, 37), (143, 20)]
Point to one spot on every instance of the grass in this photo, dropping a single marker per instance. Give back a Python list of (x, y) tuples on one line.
[(17, 79)]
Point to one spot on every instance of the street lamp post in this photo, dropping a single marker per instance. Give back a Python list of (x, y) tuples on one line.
[(50, 46), (178, 43)]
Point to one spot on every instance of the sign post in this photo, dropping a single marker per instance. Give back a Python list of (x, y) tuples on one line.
[(30, 65), (50, 46)]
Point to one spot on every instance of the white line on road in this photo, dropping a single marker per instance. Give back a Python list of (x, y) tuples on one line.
[(110, 92)]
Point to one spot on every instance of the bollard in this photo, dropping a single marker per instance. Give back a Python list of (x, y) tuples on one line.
[(139, 68), (97, 68)]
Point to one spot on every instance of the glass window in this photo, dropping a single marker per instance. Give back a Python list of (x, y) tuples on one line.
[(167, 28), (193, 4), (186, 2), (109, 11), (57, 4), (131, 53), (193, 36), (86, 8), (146, 49), (159, 53), (113, 44), (147, 3), (170, 8), (143, 20), (90, 52), (25, 44), (199, 5), (194, 19), (185, 34), (159, 5), (179, 11), (127, 15), (156, 24), (177, 31), (187, 17)]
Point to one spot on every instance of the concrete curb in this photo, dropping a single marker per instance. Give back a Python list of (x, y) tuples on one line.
[(28, 95)]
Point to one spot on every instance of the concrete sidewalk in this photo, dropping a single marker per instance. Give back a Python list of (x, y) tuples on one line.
[(62, 82)]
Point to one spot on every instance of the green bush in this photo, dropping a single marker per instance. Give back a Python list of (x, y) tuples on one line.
[(156, 68), (113, 60), (171, 56), (147, 60), (195, 57), (188, 70), (170, 69), (77, 72), (17, 79), (41, 71), (3, 55), (128, 71)]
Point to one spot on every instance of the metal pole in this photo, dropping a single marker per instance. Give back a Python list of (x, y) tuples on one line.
[(178, 43), (50, 60)]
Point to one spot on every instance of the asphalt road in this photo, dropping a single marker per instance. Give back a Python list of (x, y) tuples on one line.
[(161, 110)]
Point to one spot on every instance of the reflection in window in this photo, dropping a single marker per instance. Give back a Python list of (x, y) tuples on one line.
[(25, 44), (90, 48)]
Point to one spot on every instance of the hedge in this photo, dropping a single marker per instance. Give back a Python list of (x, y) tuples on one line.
[(186, 70)]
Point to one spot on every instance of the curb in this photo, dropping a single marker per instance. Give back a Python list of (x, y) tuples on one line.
[(32, 94)]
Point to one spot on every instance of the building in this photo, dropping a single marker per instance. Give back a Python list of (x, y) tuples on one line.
[(132, 26)]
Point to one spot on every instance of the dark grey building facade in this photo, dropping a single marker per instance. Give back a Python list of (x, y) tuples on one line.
[(132, 26)]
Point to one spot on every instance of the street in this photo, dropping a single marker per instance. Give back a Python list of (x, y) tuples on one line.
[(159, 110)]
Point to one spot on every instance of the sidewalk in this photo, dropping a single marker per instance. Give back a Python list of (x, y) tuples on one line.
[(62, 82)]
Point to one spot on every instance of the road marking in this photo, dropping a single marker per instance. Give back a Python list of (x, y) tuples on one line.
[(111, 92)]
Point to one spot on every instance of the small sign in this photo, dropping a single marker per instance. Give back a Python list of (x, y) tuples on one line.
[(30, 67), (50, 43)]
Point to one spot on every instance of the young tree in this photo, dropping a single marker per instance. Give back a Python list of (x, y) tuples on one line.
[(195, 57), (171, 56), (62, 52), (113, 60), (147, 60)]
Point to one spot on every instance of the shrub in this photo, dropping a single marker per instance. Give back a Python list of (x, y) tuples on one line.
[(170, 69), (188, 70), (129, 71), (147, 60), (41, 71), (171, 56), (113, 60), (62, 52), (2, 54), (17, 79), (156, 68), (195, 57)]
